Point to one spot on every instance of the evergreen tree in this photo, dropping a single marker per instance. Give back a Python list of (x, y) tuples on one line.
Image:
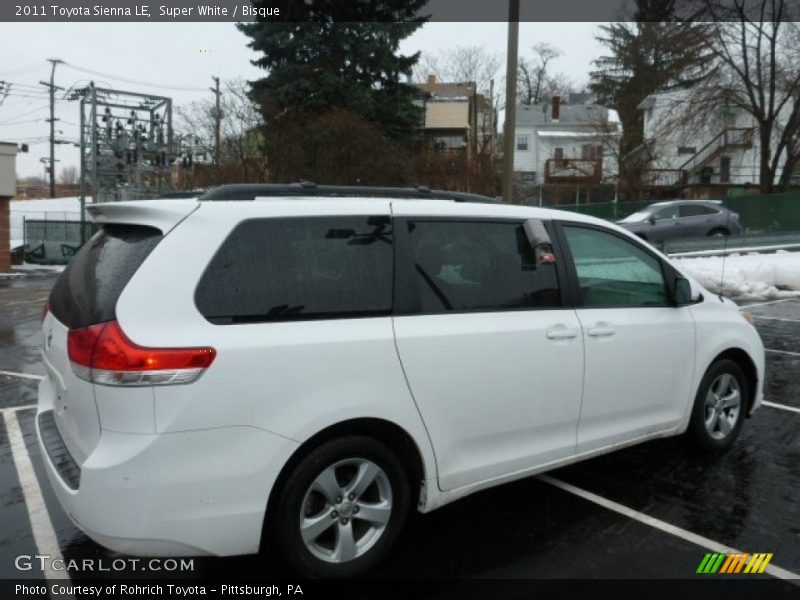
[(328, 54), (652, 53)]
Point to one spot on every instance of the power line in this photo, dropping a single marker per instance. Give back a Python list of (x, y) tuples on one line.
[(26, 113), (2, 123), (135, 81), (15, 95)]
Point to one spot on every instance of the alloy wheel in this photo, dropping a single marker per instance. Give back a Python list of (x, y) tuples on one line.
[(345, 510), (722, 406)]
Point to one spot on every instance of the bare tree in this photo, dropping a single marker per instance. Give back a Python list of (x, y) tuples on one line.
[(241, 131), (460, 64), (757, 43), (68, 175), (536, 83)]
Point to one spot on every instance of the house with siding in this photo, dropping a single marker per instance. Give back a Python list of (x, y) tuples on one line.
[(690, 145), (569, 141), (457, 118)]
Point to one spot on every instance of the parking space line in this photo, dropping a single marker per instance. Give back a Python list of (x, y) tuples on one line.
[(767, 303), (782, 352), (776, 319), (22, 375), (781, 406), (16, 408), (688, 536), (43, 533)]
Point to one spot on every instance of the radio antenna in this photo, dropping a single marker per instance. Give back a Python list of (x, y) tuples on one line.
[(725, 237)]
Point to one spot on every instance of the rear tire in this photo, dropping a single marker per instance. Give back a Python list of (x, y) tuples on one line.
[(342, 507), (719, 407), (719, 232)]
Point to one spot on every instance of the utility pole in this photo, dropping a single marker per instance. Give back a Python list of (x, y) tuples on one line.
[(492, 124), (217, 120), (511, 101), (52, 120)]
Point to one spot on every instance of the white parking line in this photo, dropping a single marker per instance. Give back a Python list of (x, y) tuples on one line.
[(782, 352), (43, 533), (781, 406), (16, 408), (22, 375), (766, 303), (776, 319), (693, 538)]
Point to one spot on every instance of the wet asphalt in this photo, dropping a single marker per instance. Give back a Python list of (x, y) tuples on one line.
[(746, 499)]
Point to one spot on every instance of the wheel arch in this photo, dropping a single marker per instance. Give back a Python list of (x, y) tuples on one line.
[(382, 430), (743, 359)]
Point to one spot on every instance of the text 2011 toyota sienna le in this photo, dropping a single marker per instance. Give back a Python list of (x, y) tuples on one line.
[(300, 372)]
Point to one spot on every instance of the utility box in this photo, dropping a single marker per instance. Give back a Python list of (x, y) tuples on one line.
[(8, 188)]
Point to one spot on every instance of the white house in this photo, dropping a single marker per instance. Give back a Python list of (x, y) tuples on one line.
[(689, 143), (571, 141)]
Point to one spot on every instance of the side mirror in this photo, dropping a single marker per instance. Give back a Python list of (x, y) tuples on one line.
[(651, 220), (684, 292)]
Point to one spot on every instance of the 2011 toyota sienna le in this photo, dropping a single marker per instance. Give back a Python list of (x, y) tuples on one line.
[(300, 372)]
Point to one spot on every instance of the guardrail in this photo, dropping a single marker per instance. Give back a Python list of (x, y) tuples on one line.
[(739, 244)]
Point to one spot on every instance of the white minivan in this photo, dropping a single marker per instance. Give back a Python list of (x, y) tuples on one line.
[(299, 370)]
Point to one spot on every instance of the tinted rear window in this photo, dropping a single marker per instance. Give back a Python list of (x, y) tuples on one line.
[(300, 268), (696, 210), (87, 291)]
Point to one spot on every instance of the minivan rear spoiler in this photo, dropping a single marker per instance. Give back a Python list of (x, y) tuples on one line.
[(161, 214)]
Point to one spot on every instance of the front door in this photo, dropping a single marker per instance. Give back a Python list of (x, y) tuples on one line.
[(639, 348)]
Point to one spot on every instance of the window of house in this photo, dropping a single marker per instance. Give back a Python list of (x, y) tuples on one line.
[(558, 153), (591, 152), (725, 169), (613, 272), (522, 143), (479, 266), (687, 150), (300, 268)]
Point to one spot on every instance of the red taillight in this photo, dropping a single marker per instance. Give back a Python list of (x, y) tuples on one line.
[(103, 354)]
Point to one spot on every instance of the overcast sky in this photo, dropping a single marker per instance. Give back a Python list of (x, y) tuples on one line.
[(187, 55)]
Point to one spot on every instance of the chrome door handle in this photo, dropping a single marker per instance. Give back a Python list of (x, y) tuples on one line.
[(601, 331), (558, 333)]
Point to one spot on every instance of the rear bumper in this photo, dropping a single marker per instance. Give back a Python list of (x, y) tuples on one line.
[(178, 494)]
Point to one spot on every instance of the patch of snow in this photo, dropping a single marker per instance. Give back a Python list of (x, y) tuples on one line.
[(747, 276), (24, 267)]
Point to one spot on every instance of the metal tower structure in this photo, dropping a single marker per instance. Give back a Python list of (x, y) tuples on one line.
[(127, 144)]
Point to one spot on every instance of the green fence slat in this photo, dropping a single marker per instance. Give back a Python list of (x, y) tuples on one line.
[(51, 242)]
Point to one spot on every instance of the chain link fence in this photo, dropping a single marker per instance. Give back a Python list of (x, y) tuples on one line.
[(772, 213), (53, 242)]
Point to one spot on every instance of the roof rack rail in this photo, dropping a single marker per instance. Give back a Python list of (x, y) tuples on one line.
[(253, 191)]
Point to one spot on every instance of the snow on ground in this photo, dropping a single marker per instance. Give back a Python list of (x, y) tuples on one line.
[(747, 276), (49, 209)]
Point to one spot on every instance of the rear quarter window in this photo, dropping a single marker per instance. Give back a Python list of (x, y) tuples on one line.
[(284, 269), (87, 291)]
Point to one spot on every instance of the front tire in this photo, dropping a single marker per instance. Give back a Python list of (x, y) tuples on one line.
[(719, 407), (341, 508)]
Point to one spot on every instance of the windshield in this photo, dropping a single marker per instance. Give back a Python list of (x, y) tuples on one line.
[(640, 215)]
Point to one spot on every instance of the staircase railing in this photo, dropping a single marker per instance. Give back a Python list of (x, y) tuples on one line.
[(732, 137)]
